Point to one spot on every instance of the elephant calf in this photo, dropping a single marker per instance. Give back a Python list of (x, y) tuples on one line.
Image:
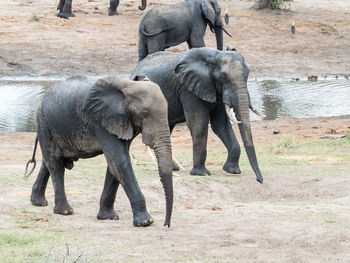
[(169, 25), (82, 118)]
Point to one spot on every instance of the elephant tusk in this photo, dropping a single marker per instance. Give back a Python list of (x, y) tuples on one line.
[(178, 163), (256, 112), (229, 114), (151, 153), (227, 33)]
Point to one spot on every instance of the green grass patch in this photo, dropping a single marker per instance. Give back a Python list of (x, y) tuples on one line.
[(24, 246)]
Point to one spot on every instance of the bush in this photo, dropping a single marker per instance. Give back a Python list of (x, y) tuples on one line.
[(276, 4)]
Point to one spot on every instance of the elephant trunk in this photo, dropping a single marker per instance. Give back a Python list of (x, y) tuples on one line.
[(219, 37), (162, 150), (242, 114), (143, 5)]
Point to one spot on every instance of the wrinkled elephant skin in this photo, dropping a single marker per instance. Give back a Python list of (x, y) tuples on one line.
[(82, 118)]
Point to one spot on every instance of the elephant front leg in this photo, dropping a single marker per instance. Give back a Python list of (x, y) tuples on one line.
[(175, 166), (196, 39), (119, 164), (37, 197), (108, 197), (222, 127), (197, 119)]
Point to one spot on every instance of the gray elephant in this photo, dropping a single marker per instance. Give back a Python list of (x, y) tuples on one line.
[(201, 85), (82, 118), (64, 8), (169, 25)]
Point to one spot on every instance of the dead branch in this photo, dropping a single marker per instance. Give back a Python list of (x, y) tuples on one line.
[(333, 27)]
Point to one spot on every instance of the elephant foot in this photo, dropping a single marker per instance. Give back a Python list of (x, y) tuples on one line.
[(260, 179), (142, 219), (107, 214), (232, 168), (112, 12), (175, 167), (65, 209), (38, 200), (200, 171), (65, 15)]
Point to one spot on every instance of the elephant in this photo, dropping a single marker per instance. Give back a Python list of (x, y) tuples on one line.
[(64, 8), (169, 25), (202, 85), (82, 118)]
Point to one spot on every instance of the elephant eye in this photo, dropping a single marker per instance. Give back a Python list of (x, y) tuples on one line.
[(144, 113)]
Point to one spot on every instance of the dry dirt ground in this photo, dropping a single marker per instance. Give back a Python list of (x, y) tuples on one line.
[(94, 43), (301, 213)]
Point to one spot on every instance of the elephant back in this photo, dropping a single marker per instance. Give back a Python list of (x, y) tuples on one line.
[(160, 19)]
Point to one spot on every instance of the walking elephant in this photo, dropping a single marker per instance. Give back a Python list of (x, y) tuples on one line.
[(64, 8), (169, 25), (82, 118), (201, 85)]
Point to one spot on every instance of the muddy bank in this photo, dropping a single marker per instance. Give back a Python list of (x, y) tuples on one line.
[(94, 43)]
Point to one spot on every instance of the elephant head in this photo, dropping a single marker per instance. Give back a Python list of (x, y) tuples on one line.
[(212, 12), (143, 5), (125, 107), (221, 75)]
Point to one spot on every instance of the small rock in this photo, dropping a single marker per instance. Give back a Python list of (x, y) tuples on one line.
[(332, 131), (312, 78), (276, 132)]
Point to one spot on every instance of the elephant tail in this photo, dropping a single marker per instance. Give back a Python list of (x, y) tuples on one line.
[(156, 31), (26, 173)]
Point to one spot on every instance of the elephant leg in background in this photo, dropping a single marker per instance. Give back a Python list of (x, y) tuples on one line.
[(113, 5), (175, 166), (222, 127), (38, 190), (156, 43), (197, 119), (56, 170), (60, 5), (119, 164), (108, 197), (196, 40), (66, 10)]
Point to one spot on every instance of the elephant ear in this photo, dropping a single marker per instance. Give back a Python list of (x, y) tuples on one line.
[(106, 104), (195, 73), (208, 11)]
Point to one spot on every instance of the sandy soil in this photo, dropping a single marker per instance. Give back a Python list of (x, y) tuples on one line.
[(222, 218), (94, 43), (295, 216)]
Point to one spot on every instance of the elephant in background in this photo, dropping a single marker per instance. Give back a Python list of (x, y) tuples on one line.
[(169, 25), (82, 118), (201, 85), (64, 8)]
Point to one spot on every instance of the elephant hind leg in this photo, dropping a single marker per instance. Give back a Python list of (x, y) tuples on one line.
[(156, 43), (142, 48), (108, 197), (56, 170), (38, 190)]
